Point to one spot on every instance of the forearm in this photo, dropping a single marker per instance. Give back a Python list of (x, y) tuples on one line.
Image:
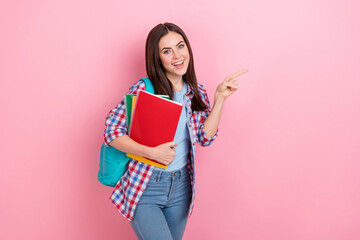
[(163, 153), (125, 144), (211, 124)]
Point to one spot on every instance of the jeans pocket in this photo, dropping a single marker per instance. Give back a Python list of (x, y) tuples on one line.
[(153, 179)]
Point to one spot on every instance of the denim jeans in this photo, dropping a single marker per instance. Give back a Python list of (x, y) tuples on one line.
[(162, 211)]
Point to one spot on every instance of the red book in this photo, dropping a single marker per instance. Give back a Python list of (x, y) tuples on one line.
[(154, 122)]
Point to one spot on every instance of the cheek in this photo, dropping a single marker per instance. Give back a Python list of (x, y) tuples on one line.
[(164, 61)]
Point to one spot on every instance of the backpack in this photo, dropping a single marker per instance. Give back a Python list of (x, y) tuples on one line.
[(113, 163)]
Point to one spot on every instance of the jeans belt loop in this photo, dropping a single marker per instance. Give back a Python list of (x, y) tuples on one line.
[(158, 178)]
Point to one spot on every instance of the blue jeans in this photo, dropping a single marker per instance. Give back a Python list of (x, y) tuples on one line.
[(162, 211)]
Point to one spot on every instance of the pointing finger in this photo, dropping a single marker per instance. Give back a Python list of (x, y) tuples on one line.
[(237, 74)]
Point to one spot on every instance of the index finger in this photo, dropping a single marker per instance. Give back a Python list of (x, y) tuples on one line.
[(237, 74)]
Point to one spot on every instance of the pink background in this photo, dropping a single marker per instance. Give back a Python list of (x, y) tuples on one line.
[(285, 165)]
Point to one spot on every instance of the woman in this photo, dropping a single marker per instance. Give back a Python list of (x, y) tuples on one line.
[(158, 201)]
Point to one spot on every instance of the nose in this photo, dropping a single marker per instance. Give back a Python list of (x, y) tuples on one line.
[(176, 54)]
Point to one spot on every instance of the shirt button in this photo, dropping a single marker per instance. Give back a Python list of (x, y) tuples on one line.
[(111, 114), (193, 143), (190, 125)]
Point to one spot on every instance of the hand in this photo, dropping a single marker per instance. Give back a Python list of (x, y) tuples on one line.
[(164, 153), (229, 86)]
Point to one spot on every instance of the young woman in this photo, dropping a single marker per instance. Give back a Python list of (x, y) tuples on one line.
[(158, 201)]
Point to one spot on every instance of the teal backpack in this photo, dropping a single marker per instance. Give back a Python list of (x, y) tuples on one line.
[(113, 163)]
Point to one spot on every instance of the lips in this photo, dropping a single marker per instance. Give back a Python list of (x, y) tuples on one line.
[(179, 64)]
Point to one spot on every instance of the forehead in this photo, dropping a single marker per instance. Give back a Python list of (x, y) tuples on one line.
[(170, 40)]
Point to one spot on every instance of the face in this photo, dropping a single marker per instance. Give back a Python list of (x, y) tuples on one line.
[(174, 55)]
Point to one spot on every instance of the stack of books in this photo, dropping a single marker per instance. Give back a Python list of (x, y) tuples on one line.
[(152, 120)]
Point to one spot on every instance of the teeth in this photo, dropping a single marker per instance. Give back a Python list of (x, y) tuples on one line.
[(175, 64)]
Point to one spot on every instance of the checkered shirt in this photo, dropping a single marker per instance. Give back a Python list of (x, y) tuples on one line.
[(132, 184)]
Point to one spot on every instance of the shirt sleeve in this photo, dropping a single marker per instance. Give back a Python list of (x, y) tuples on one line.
[(202, 139), (115, 123)]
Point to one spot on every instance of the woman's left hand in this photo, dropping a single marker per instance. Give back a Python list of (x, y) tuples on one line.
[(229, 85)]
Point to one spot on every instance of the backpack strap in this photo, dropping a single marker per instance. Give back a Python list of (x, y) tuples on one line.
[(148, 84)]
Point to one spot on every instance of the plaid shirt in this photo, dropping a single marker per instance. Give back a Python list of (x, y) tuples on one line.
[(132, 184)]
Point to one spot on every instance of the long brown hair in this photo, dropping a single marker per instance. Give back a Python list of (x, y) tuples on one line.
[(156, 71)]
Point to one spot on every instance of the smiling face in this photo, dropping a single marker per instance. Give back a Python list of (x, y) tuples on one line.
[(174, 55)]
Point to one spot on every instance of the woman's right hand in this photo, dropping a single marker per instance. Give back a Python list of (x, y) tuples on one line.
[(164, 153)]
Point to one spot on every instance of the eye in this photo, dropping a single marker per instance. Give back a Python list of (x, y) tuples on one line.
[(166, 51), (181, 45)]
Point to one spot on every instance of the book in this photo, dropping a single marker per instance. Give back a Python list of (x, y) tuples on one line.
[(154, 122), (133, 106), (128, 108), (129, 100)]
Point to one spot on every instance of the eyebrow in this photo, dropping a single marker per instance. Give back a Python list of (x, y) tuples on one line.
[(170, 48)]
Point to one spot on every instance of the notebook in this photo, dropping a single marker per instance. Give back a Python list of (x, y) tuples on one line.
[(154, 122)]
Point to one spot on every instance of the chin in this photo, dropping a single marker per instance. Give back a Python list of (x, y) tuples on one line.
[(183, 71)]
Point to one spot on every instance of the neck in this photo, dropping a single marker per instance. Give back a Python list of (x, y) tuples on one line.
[(177, 82)]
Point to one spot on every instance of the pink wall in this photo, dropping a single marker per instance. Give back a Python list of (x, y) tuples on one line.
[(286, 163)]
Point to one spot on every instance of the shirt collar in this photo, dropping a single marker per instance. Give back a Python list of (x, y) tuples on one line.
[(189, 92)]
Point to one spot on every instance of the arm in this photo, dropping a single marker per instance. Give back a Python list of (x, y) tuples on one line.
[(164, 153), (225, 89), (211, 124)]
